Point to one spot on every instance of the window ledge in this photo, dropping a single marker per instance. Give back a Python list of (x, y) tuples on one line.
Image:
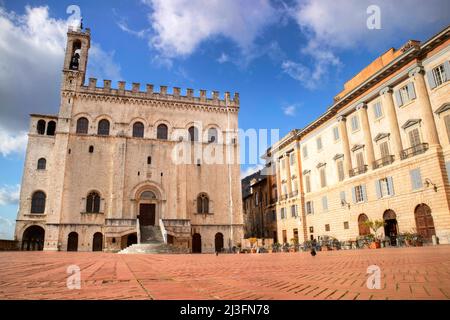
[(91, 212), (35, 215)]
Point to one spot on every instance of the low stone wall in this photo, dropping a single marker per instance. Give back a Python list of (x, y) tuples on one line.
[(9, 245)]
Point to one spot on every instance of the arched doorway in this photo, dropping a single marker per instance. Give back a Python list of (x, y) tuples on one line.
[(218, 241), (72, 242), (363, 228), (424, 222), (131, 239), (390, 226), (147, 208), (196, 243), (97, 242), (33, 239)]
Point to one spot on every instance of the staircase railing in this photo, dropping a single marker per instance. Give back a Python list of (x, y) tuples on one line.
[(163, 230), (138, 231)]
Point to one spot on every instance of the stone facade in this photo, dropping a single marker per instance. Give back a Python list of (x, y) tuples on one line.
[(381, 151), (116, 153)]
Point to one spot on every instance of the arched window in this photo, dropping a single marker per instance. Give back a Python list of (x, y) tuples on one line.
[(138, 130), (193, 134), (40, 128), (103, 128), (76, 51), (162, 132), (202, 203), (362, 226), (82, 125), (212, 135), (42, 164), (38, 202), (51, 128), (93, 203)]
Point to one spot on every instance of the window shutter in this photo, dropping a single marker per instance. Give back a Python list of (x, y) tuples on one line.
[(353, 195), (447, 166), (447, 70), (306, 207), (312, 207), (416, 179), (411, 91), (431, 81), (378, 189), (398, 98), (325, 203), (343, 195), (391, 185), (364, 192)]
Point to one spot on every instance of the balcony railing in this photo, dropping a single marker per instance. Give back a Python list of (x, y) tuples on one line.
[(414, 151), (358, 171), (293, 194), (383, 162)]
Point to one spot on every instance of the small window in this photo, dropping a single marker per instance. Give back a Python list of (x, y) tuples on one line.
[(305, 152), (283, 213), (103, 128), (336, 135), (377, 110), (91, 149), (38, 202), (384, 187), (327, 227), (360, 160), (384, 150), (292, 159), (307, 183), (439, 75), (138, 130), (51, 128), (355, 123), (346, 226), (414, 137), (40, 128), (340, 169), (324, 203), (93, 203), (42, 164), (405, 94), (323, 177), (416, 179), (149, 160), (162, 132), (359, 194), (212, 135), (319, 143), (82, 126), (309, 207), (294, 212)]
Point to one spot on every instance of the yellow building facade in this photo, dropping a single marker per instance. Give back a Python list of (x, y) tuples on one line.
[(380, 152)]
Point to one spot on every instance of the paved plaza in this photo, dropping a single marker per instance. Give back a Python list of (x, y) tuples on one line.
[(406, 273)]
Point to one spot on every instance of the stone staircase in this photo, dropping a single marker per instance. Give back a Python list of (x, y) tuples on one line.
[(152, 241)]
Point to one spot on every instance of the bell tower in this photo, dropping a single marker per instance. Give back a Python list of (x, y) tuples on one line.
[(76, 57)]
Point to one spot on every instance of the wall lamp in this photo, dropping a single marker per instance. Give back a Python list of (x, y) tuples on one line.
[(345, 203), (428, 183)]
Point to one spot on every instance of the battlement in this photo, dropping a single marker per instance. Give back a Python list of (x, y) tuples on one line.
[(78, 30), (189, 95)]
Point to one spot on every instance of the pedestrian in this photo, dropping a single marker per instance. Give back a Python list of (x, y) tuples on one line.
[(313, 247)]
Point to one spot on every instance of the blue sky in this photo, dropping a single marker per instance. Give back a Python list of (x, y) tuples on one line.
[(287, 59)]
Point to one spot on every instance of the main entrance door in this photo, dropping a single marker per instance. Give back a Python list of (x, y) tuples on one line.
[(390, 226), (147, 214), (196, 243), (424, 222)]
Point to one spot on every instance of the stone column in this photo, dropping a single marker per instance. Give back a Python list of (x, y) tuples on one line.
[(387, 100), (345, 144), (287, 163), (278, 165), (423, 101), (362, 110)]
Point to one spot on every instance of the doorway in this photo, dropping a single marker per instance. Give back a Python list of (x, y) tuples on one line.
[(218, 241), (147, 214), (196, 243), (424, 222), (33, 239), (390, 226), (97, 242), (72, 242)]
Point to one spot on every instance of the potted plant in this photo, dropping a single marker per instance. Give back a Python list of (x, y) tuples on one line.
[(375, 226), (294, 246), (417, 240)]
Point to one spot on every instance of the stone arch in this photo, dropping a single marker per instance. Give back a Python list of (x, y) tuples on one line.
[(218, 242), (40, 127), (72, 241), (363, 229), (33, 238), (97, 241), (219, 133), (169, 125), (196, 243), (79, 116), (51, 128), (424, 221), (390, 226)]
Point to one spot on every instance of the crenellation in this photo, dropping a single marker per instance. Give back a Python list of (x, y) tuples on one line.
[(163, 90), (203, 95), (106, 85), (136, 87), (121, 86), (149, 89), (176, 92), (92, 83)]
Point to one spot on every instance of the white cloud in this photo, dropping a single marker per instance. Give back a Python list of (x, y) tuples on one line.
[(180, 26), (223, 58), (290, 110), (9, 195), (250, 170), (12, 143), (31, 57), (333, 26)]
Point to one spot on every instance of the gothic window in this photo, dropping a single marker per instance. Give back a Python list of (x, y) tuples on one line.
[(212, 135), (202, 203), (51, 128), (82, 125), (40, 128), (75, 60), (42, 164), (162, 132), (93, 203), (103, 128), (193, 134), (138, 130), (38, 202)]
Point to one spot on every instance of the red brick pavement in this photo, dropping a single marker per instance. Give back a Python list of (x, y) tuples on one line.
[(407, 273)]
